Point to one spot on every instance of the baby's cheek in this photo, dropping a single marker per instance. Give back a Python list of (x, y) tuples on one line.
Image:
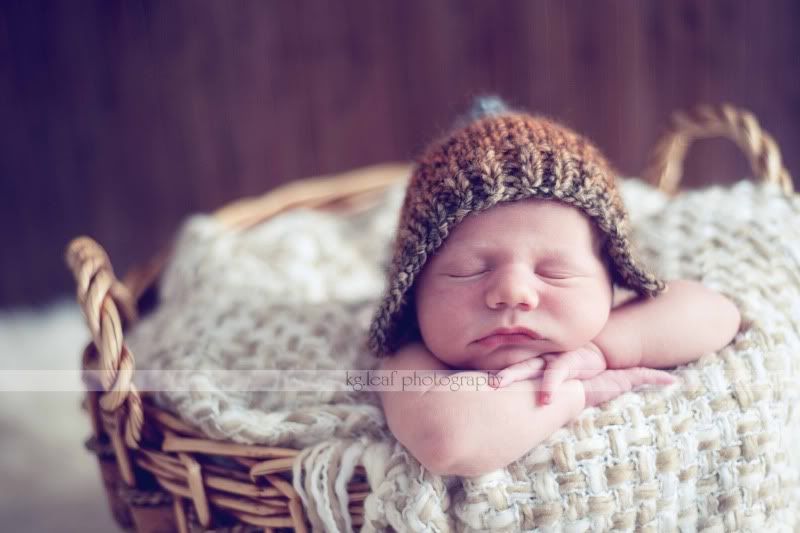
[(593, 321), (442, 318), (580, 317)]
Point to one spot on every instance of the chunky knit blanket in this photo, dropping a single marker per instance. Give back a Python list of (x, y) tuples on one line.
[(717, 453)]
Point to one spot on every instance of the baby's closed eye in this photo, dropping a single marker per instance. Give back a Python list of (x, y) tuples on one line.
[(560, 268), (467, 274), (465, 268), (560, 273), (555, 274)]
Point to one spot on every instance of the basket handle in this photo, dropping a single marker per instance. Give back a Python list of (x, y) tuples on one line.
[(739, 125), (102, 297)]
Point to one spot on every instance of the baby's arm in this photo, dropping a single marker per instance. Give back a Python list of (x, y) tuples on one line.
[(468, 432), (677, 327)]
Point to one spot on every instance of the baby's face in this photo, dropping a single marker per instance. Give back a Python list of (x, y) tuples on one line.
[(534, 264)]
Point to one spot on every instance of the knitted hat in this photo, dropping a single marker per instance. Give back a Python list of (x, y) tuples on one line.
[(498, 155)]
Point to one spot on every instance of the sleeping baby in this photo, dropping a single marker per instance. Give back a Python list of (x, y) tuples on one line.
[(511, 241)]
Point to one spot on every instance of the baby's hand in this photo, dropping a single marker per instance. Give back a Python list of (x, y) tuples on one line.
[(582, 363), (527, 369), (612, 383)]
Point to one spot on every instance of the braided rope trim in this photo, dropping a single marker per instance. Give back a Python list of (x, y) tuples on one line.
[(102, 297), (704, 121)]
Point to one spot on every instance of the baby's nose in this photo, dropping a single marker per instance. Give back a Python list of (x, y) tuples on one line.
[(514, 287)]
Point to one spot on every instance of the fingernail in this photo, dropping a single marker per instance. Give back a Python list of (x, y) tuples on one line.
[(546, 397)]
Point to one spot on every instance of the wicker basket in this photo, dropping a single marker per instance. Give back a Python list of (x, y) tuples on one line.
[(161, 474)]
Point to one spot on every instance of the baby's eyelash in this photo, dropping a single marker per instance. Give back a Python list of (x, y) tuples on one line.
[(467, 275), (556, 276), (548, 273)]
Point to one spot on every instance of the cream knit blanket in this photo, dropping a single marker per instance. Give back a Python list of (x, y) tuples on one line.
[(719, 452)]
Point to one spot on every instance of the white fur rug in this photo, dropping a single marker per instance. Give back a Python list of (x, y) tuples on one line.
[(48, 480)]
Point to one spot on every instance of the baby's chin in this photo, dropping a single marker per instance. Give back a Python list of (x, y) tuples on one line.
[(500, 359)]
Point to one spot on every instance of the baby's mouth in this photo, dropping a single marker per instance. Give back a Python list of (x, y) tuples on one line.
[(512, 334), (503, 339)]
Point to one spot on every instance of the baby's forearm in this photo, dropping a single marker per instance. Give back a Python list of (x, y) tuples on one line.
[(489, 429), (675, 328)]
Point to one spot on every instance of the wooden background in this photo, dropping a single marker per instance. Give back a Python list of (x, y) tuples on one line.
[(120, 118)]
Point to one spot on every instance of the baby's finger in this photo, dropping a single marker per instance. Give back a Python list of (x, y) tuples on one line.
[(611, 383), (526, 369), (554, 376)]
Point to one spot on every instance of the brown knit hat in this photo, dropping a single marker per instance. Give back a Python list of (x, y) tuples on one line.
[(498, 155)]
